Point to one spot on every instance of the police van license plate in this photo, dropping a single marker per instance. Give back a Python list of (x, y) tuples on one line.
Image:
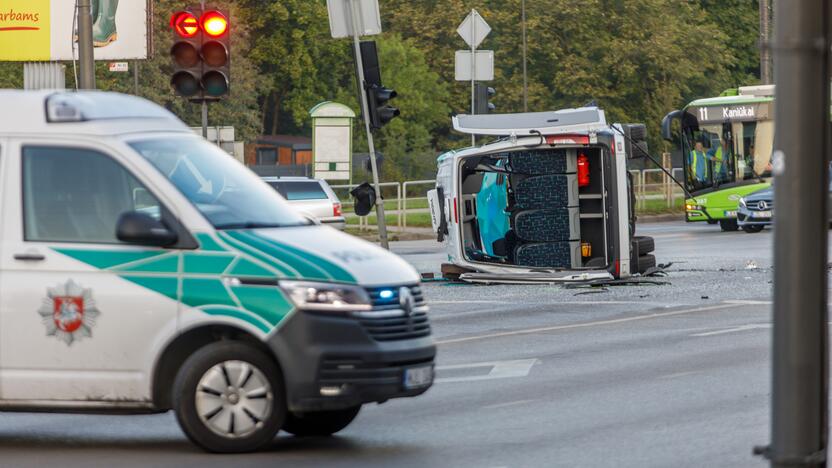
[(417, 377), (761, 214)]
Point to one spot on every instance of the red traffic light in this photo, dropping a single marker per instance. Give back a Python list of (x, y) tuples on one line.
[(184, 23), (214, 23)]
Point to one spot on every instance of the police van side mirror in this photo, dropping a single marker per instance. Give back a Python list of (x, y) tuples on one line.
[(142, 229)]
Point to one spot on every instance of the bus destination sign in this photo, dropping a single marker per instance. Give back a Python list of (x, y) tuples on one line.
[(733, 113)]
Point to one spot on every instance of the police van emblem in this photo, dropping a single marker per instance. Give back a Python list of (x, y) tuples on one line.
[(68, 312)]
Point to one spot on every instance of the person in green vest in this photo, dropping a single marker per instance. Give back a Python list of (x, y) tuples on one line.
[(698, 163)]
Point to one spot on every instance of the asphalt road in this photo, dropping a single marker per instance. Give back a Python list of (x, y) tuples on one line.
[(529, 376)]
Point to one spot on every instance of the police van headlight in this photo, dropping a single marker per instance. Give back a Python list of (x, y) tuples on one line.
[(326, 296)]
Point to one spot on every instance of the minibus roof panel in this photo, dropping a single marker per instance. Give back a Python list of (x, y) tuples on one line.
[(579, 120)]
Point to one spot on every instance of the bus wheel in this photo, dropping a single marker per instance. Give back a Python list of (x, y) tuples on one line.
[(728, 224), (751, 229), (229, 398), (320, 423)]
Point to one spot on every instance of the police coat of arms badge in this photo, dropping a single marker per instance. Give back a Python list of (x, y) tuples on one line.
[(69, 312)]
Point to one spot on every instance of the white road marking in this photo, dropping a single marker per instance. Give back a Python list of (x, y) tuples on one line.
[(738, 302), (741, 328), (505, 405), (499, 370), (679, 374), (530, 331)]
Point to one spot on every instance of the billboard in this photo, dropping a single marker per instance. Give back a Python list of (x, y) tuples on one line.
[(42, 30)]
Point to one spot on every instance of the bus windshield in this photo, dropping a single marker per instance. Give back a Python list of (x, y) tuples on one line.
[(716, 154)]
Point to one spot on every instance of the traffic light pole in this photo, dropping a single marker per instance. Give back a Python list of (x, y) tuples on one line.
[(799, 398), (382, 222), (86, 57), (205, 119)]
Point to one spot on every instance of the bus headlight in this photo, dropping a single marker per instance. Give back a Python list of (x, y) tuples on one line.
[(329, 297), (689, 207)]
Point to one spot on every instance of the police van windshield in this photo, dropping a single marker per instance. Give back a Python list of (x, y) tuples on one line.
[(224, 191), (723, 153)]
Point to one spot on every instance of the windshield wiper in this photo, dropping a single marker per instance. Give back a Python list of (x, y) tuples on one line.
[(251, 225)]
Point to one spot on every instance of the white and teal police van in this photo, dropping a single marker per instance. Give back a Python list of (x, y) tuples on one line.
[(142, 269)]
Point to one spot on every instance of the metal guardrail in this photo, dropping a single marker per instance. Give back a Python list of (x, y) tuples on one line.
[(649, 184), (411, 183)]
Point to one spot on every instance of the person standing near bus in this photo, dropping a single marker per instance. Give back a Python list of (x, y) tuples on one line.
[(698, 162), (717, 157)]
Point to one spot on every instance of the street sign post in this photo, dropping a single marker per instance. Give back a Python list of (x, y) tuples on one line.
[(354, 18), (484, 66), (473, 31), (367, 19)]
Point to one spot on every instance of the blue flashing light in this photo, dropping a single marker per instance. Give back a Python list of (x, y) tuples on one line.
[(386, 294)]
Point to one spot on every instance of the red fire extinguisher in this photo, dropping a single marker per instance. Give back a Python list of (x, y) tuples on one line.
[(583, 170)]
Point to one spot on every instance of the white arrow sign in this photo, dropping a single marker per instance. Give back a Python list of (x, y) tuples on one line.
[(474, 29)]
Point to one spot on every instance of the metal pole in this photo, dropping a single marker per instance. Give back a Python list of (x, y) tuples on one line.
[(204, 119), (525, 75), (86, 57), (136, 77), (800, 353), (765, 38), (473, 69), (382, 222)]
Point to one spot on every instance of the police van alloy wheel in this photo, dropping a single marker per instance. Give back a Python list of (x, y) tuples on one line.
[(751, 228), (728, 225), (320, 423), (229, 398)]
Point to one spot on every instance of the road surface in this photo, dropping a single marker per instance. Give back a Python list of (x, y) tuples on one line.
[(648, 376)]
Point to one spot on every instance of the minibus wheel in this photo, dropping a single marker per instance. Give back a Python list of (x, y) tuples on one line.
[(320, 423), (229, 398)]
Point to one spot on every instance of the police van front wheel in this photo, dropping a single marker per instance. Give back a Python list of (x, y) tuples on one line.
[(320, 423), (229, 398)]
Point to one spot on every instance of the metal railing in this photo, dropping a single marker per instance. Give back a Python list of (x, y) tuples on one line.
[(648, 184)]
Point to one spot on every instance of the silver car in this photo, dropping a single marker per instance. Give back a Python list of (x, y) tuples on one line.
[(312, 197)]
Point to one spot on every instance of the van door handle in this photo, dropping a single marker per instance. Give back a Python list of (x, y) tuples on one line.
[(29, 257)]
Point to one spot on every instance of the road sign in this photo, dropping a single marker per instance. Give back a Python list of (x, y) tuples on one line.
[(340, 23), (118, 67), (474, 29), (484, 66)]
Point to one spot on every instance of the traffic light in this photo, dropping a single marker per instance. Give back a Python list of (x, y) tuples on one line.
[(201, 53), (216, 53), (482, 99), (378, 96)]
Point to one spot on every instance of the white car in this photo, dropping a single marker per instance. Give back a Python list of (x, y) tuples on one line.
[(314, 198), (142, 269), (550, 200)]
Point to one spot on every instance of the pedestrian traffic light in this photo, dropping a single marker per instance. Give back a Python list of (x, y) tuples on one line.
[(482, 99), (381, 113), (201, 53)]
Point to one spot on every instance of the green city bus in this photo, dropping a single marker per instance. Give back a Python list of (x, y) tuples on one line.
[(726, 144)]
